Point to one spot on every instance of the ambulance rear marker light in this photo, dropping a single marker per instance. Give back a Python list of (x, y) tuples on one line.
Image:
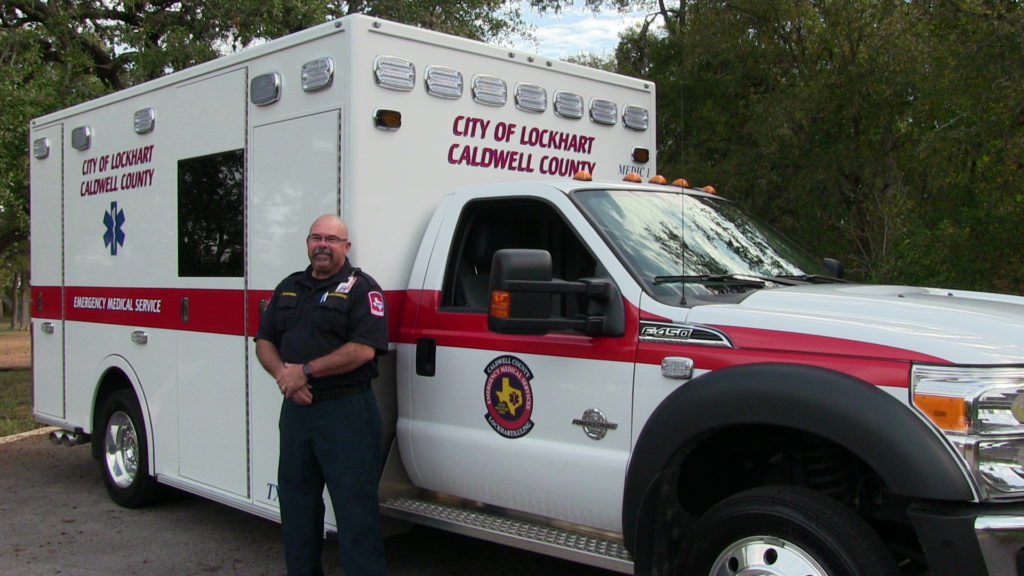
[(635, 118), (81, 138), (394, 73), (632, 177), (641, 155), (41, 148), (583, 176), (443, 82), (265, 89), (387, 119), (658, 179), (317, 74), (489, 91), (144, 121)]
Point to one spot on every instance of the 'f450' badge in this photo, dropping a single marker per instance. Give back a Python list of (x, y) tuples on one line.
[(508, 396)]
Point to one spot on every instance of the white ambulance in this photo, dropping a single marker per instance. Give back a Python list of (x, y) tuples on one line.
[(639, 377)]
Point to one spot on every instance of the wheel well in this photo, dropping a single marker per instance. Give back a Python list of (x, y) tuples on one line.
[(112, 381), (731, 460)]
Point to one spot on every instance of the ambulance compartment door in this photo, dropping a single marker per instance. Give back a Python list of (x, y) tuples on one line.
[(212, 407), (47, 245), (296, 176)]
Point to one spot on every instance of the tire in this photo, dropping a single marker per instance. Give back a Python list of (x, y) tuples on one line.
[(124, 452), (784, 531)]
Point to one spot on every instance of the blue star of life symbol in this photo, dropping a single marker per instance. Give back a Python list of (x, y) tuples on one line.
[(114, 236)]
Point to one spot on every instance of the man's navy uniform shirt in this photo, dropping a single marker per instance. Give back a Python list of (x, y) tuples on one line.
[(309, 318)]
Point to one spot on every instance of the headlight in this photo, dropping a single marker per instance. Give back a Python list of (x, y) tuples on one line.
[(981, 412)]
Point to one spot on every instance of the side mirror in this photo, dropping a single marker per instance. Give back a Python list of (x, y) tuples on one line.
[(522, 288)]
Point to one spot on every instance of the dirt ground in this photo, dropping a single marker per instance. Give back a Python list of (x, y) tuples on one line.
[(15, 350)]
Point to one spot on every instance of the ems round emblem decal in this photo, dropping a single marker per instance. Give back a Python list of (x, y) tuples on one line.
[(509, 397)]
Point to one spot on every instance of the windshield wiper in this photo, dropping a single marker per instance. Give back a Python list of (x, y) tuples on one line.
[(730, 279), (815, 279)]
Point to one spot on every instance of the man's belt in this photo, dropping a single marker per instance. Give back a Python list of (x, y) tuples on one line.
[(333, 393)]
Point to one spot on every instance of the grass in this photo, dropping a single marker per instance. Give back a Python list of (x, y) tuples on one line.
[(15, 382)]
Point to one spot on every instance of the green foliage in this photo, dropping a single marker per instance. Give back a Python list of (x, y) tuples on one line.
[(883, 132), (56, 54)]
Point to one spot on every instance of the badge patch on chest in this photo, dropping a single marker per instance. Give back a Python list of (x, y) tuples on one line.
[(344, 287), (509, 397)]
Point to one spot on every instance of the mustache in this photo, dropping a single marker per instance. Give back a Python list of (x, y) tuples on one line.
[(323, 250)]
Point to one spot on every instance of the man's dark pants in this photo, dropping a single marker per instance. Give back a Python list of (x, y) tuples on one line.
[(336, 441)]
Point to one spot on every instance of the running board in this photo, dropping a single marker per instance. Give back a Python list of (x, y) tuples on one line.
[(562, 543)]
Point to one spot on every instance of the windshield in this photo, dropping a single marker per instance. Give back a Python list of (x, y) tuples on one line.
[(706, 246)]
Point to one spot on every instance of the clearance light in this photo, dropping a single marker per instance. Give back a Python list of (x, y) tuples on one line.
[(531, 98), (265, 89), (443, 82), (604, 111), (41, 148), (658, 179), (501, 302), (387, 119), (641, 155), (583, 175), (489, 90), (317, 74), (635, 118), (681, 182), (710, 189), (81, 138), (394, 73), (632, 177), (144, 121)]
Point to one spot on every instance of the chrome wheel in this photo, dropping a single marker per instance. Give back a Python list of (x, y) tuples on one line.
[(765, 556), (121, 447)]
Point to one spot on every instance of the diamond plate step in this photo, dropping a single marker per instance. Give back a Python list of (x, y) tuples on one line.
[(559, 542)]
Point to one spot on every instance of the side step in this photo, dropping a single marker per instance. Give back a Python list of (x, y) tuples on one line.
[(486, 525)]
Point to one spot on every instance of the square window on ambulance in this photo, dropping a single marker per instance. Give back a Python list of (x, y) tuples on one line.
[(210, 200)]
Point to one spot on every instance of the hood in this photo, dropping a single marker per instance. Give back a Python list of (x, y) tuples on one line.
[(949, 325)]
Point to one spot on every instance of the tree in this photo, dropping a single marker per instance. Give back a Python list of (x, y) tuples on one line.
[(882, 132), (57, 53)]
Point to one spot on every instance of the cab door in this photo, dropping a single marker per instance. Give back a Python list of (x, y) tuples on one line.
[(539, 424)]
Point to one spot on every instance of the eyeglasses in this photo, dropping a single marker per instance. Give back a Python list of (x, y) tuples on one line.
[(316, 239)]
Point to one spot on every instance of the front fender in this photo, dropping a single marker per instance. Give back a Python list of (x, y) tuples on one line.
[(908, 455)]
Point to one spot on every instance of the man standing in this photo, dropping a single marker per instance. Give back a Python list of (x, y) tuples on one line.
[(318, 338)]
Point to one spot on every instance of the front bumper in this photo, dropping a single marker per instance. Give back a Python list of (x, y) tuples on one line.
[(978, 540)]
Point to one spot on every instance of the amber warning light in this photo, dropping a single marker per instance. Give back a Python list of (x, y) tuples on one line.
[(500, 303)]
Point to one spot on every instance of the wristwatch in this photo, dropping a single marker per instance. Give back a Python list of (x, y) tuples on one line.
[(307, 370)]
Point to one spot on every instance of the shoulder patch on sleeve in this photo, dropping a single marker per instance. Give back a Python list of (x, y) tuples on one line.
[(376, 300)]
